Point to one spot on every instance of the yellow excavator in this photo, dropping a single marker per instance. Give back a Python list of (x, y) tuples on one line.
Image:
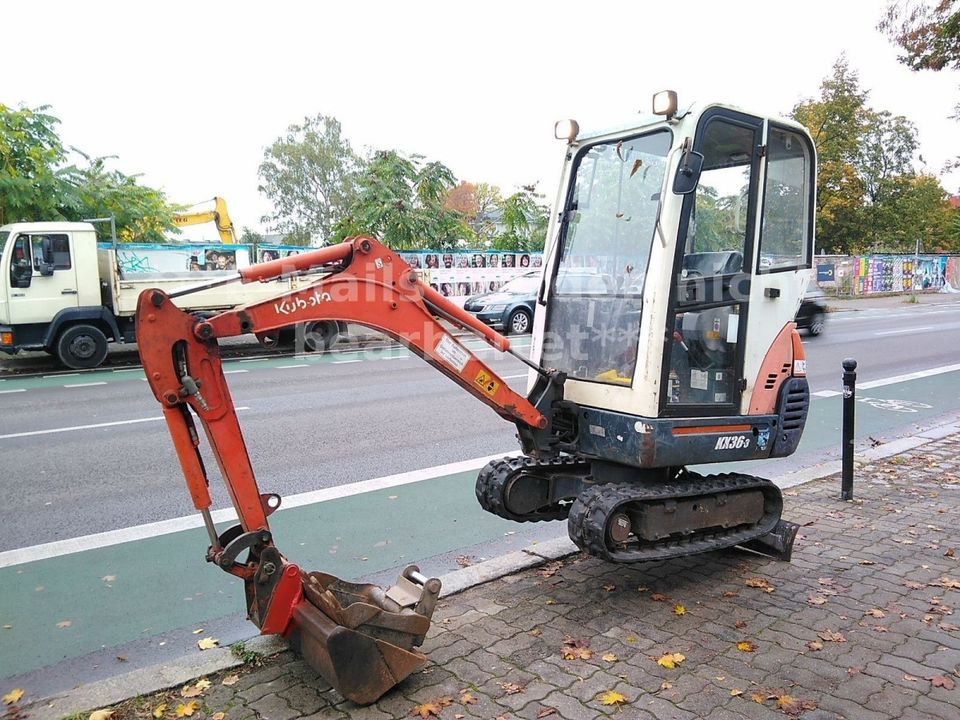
[(218, 215)]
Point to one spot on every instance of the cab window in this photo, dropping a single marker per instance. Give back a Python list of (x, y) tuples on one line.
[(51, 249), (21, 262), (787, 193)]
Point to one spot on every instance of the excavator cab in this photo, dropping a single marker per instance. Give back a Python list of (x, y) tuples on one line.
[(678, 252)]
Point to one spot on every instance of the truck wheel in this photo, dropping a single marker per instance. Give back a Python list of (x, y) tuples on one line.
[(321, 335), (519, 322), (81, 347)]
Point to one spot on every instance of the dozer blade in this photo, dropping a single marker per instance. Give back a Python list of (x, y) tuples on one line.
[(361, 638)]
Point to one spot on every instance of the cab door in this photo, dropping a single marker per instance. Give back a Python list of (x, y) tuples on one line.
[(43, 277), (703, 369)]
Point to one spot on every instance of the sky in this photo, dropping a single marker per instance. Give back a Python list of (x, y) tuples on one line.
[(189, 94)]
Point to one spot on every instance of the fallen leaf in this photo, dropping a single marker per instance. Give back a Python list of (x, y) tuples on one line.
[(609, 657), (432, 707), (666, 685), (914, 585), (546, 712), (191, 691), (815, 645), (609, 587), (464, 560), (759, 697), (208, 643), (550, 602), (658, 597), (13, 696), (576, 649), (876, 612), (671, 660), (203, 683), (740, 624), (185, 710), (512, 688), (100, 714), (231, 680), (218, 716), (109, 578), (867, 562), (947, 582), (831, 636), (730, 593), (550, 569), (944, 681), (536, 632), (198, 631), (736, 692), (679, 609), (948, 627), (631, 638), (853, 671), (951, 552), (761, 583), (910, 678), (747, 646), (467, 698), (121, 658), (794, 706), (612, 697), (64, 624), (159, 710), (816, 600)]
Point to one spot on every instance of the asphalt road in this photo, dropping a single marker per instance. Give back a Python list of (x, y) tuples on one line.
[(314, 422)]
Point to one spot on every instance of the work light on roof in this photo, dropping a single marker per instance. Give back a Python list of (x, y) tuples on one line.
[(665, 103), (566, 130)]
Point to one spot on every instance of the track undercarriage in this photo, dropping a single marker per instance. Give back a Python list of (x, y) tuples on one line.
[(632, 515)]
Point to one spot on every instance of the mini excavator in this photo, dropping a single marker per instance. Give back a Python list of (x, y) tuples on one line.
[(678, 252)]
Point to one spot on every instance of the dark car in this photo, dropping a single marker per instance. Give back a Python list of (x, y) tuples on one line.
[(812, 314), (509, 309)]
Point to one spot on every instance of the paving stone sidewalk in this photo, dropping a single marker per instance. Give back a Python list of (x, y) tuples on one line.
[(859, 625)]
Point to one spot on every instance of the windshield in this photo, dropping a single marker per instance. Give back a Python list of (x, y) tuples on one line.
[(593, 324), (523, 284)]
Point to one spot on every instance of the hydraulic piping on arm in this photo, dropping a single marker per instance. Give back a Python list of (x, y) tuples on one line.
[(361, 638)]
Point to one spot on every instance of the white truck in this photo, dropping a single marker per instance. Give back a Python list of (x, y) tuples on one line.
[(61, 293)]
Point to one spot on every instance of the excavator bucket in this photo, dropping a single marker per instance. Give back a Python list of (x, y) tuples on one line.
[(359, 637)]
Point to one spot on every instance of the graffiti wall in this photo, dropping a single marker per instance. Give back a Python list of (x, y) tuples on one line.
[(867, 274)]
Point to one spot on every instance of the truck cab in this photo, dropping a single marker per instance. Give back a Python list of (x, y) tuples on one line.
[(44, 287)]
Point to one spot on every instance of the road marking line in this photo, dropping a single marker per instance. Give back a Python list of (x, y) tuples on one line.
[(344, 362), (512, 377), (396, 357), (287, 367), (90, 384), (47, 377), (58, 548), (893, 380), (133, 369), (4, 392), (94, 426), (905, 330), (233, 372)]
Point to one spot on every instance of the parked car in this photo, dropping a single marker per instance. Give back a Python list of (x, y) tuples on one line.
[(509, 309), (812, 314)]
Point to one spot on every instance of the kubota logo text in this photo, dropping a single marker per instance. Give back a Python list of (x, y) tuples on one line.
[(291, 305)]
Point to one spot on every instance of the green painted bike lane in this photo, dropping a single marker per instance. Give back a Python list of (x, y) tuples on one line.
[(68, 606)]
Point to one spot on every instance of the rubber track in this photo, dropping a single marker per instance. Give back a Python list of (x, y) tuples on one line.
[(589, 514), (495, 476)]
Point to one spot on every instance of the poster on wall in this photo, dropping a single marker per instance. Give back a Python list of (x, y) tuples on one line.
[(458, 275)]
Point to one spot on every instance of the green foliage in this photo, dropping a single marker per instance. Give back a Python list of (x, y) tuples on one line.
[(310, 175), (868, 195), (525, 220), (36, 183), (248, 236), (401, 201), (248, 657)]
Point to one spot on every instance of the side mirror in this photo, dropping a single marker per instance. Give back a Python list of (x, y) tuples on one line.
[(688, 174), (46, 269)]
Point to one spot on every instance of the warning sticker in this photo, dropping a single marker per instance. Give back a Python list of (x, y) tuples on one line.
[(486, 382), (455, 355)]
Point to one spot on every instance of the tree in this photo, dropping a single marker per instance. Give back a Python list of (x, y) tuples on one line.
[(401, 202), (837, 121), (249, 236), (37, 183), (32, 166), (929, 35), (310, 176), (481, 207), (525, 220)]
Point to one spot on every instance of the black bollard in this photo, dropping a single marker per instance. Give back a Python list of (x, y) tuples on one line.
[(849, 399)]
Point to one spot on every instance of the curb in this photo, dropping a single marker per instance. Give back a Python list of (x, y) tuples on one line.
[(111, 691)]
